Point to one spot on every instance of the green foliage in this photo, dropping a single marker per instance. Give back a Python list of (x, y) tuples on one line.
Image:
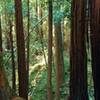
[(61, 10), (58, 15), (67, 9), (36, 48), (39, 91)]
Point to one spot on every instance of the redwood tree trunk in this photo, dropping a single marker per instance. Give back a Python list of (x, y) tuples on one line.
[(22, 70), (49, 80), (95, 44), (78, 59)]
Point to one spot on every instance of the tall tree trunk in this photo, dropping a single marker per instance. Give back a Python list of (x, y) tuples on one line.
[(49, 80), (78, 59), (59, 59), (95, 44), (22, 70)]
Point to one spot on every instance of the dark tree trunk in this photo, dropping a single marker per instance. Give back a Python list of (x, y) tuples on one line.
[(22, 70), (95, 44), (49, 88), (78, 59)]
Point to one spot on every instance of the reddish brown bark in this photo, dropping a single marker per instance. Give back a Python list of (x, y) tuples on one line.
[(78, 59), (22, 70), (95, 44), (49, 80)]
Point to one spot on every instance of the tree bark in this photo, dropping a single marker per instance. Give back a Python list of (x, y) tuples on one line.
[(95, 45), (49, 80), (78, 56), (22, 70)]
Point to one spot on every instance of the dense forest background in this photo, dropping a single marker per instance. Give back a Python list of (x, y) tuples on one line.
[(49, 49)]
